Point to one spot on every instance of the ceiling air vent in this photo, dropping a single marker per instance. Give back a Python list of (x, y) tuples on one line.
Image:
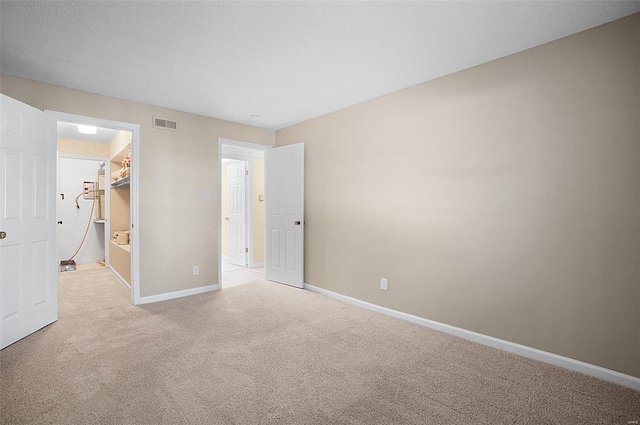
[(164, 123)]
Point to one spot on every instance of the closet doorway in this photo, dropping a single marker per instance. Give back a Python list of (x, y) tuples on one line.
[(97, 196)]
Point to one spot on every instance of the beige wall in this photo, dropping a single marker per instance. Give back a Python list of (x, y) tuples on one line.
[(82, 147), (120, 219), (178, 225), (120, 214), (120, 260), (502, 199), (117, 146), (258, 210)]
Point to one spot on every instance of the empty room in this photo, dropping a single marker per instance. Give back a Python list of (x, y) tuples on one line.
[(320, 212)]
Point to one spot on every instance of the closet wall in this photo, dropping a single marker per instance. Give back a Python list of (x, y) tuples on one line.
[(120, 207), (82, 147), (72, 172)]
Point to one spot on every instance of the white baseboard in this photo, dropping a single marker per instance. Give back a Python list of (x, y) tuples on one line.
[(532, 353), (255, 265), (124, 282), (178, 294)]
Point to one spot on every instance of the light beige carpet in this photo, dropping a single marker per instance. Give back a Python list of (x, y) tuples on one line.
[(266, 353), (90, 266)]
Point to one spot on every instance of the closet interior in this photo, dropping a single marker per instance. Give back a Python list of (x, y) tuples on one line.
[(94, 202)]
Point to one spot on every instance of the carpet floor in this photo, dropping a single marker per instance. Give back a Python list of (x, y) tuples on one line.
[(265, 353)]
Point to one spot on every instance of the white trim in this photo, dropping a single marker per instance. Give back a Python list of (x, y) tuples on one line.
[(522, 350), (135, 215), (219, 207), (240, 144), (97, 122), (124, 282), (248, 202), (178, 294), (240, 157), (135, 186)]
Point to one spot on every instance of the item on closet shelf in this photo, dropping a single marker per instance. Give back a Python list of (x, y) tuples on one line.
[(126, 165), (121, 237), (115, 175)]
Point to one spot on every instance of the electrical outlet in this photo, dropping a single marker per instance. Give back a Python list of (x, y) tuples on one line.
[(383, 283), (196, 270)]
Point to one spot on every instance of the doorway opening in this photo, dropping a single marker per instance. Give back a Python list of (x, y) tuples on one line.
[(81, 211), (241, 194), (97, 195), (283, 210)]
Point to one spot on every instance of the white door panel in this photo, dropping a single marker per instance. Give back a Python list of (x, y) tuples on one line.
[(28, 287), (236, 180), (284, 205)]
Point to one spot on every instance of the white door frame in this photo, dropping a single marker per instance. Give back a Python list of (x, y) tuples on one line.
[(107, 194), (135, 186), (249, 194)]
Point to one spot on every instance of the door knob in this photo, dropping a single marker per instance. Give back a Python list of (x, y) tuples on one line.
[(60, 222), (3, 235), (297, 223)]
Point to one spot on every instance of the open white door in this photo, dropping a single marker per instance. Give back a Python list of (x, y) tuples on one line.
[(284, 205), (28, 277), (237, 234)]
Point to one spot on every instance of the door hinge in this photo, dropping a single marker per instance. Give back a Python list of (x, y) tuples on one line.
[(246, 172), (246, 250)]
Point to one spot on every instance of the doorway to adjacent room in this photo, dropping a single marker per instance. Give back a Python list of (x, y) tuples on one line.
[(242, 211)]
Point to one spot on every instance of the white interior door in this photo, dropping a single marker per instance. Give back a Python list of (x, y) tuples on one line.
[(284, 205), (237, 234), (28, 277), (57, 208)]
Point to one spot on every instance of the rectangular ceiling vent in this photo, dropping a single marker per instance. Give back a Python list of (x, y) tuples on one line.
[(164, 123)]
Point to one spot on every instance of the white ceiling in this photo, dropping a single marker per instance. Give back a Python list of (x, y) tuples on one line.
[(70, 131), (285, 61)]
